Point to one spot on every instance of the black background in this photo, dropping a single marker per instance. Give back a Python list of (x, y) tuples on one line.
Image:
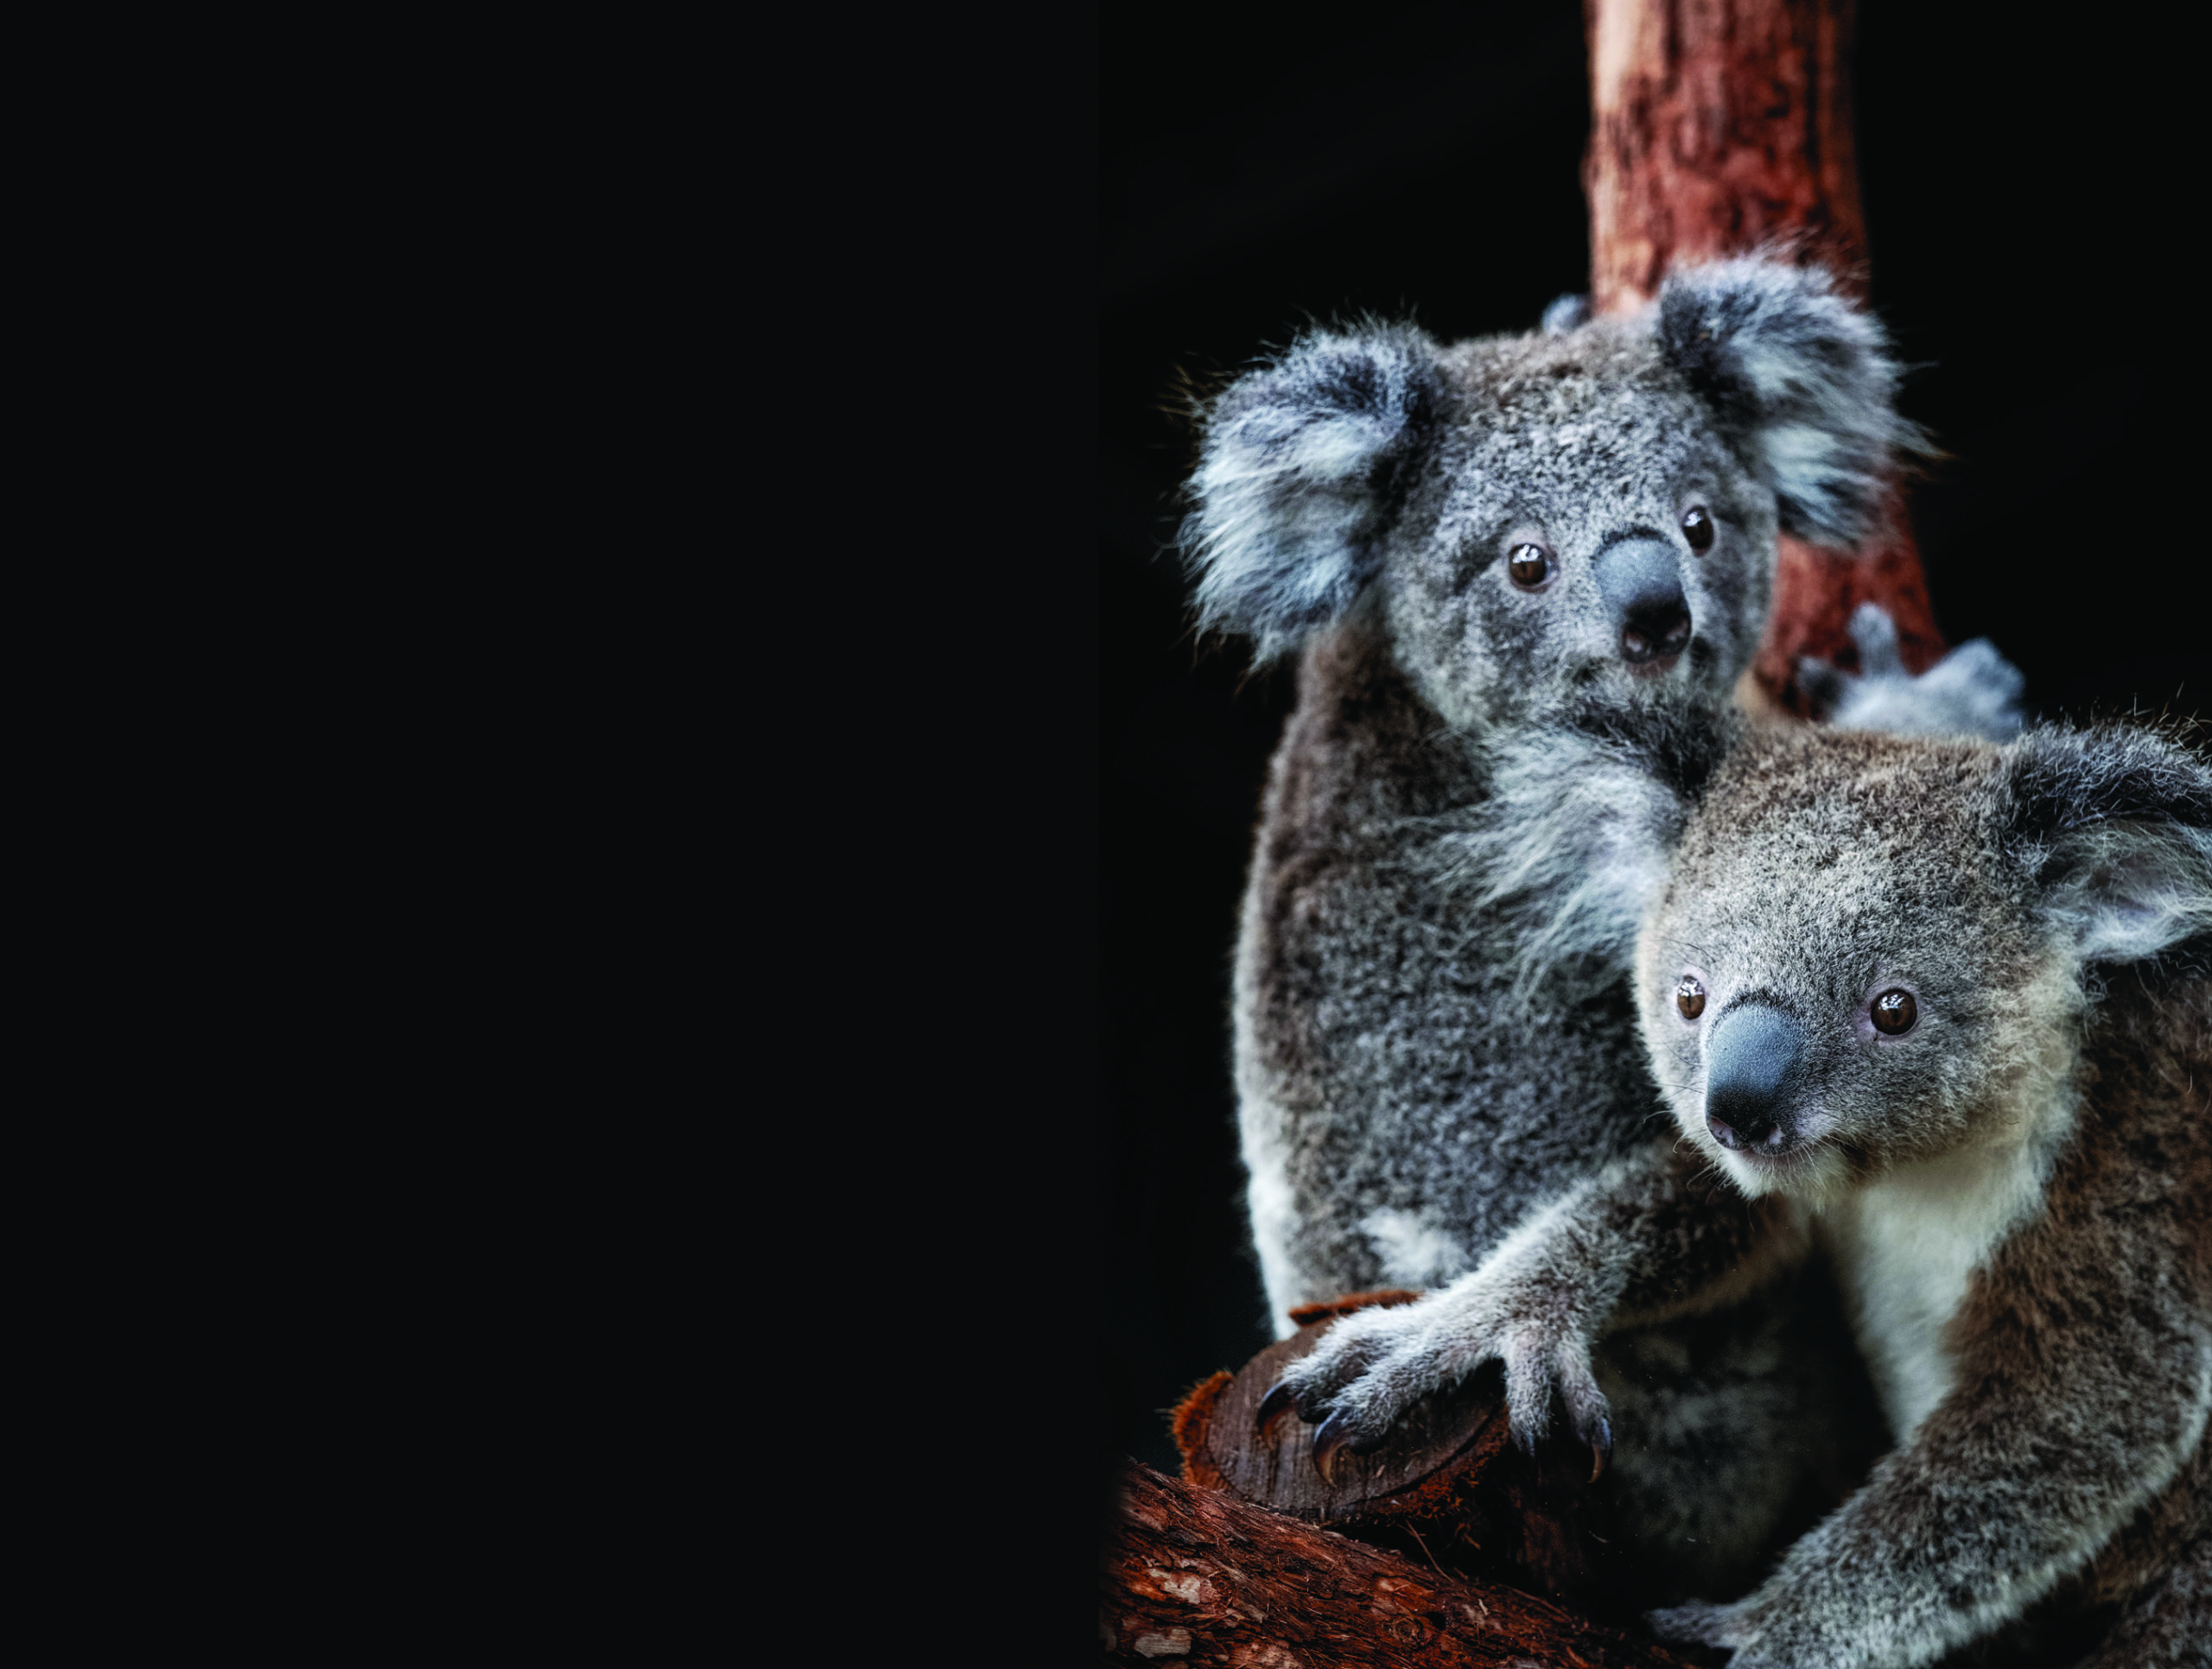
[(1258, 171)]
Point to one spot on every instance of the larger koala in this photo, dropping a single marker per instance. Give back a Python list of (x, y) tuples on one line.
[(1525, 574)]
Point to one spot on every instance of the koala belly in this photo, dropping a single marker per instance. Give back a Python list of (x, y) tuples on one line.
[(1401, 1110), (1734, 1434)]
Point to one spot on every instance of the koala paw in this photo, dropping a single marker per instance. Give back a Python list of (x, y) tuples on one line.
[(1376, 1364), (1972, 691)]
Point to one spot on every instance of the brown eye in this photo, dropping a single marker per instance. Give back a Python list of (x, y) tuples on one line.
[(1697, 528), (1530, 565), (1894, 1011), (1690, 997)]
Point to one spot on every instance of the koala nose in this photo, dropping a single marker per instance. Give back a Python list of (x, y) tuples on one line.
[(1642, 585), (1754, 1056)]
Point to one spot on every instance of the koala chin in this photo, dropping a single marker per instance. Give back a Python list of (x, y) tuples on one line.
[(1521, 576), (1939, 1013)]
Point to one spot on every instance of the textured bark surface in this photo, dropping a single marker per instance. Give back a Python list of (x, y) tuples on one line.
[(1447, 1479), (1717, 126), (1191, 1575), (1223, 1449)]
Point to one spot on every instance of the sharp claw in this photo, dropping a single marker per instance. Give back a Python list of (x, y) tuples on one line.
[(1335, 1433), (1330, 1437), (1278, 1401), (1601, 1448)]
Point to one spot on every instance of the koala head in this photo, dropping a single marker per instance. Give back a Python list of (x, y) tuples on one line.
[(1579, 515), (1876, 948)]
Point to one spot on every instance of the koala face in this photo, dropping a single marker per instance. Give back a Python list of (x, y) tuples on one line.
[(1548, 524), (1872, 949), (1832, 982), (1585, 534)]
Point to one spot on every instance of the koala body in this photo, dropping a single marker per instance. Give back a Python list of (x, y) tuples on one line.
[(1941, 1013), (1478, 786), (1524, 575)]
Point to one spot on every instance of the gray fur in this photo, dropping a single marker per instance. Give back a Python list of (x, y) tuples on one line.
[(1806, 378), (2012, 1191), (1305, 465), (1474, 799)]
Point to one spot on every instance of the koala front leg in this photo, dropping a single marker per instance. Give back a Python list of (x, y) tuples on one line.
[(2005, 1489), (1652, 1236)]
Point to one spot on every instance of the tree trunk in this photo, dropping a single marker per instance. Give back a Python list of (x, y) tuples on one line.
[(1717, 126)]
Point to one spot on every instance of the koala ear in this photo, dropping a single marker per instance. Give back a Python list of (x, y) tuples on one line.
[(1805, 380), (1305, 468), (2115, 826)]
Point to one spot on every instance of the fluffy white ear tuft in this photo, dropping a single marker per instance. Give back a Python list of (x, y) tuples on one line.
[(2115, 824), (1305, 466), (1972, 691), (1805, 379)]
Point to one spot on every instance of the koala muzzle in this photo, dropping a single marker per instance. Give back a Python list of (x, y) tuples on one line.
[(1754, 1059), (1642, 584)]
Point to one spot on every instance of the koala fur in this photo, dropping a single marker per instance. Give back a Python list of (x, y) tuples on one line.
[(1475, 794), (2011, 1187)]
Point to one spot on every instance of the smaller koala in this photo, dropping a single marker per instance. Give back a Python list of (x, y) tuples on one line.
[(1940, 1012)]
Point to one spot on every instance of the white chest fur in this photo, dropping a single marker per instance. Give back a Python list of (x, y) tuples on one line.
[(1904, 1249)]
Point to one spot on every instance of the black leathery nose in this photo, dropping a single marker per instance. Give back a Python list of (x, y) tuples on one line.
[(1754, 1057), (1641, 582)]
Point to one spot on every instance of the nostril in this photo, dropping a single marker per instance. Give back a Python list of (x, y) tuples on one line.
[(1766, 1134), (1652, 632)]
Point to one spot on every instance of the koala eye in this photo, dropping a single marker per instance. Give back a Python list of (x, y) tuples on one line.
[(1530, 565), (1690, 997), (1697, 528), (1894, 1011)]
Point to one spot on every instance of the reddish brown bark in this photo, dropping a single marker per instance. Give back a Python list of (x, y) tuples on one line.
[(1717, 126), (1447, 1479), (1195, 1575)]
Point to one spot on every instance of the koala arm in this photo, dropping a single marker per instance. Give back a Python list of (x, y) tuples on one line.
[(2053, 1438), (1656, 1235), (1972, 691)]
